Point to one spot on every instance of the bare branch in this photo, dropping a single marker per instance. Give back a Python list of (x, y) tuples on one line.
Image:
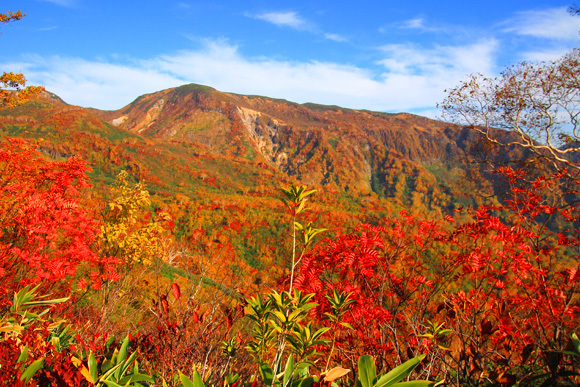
[(530, 105)]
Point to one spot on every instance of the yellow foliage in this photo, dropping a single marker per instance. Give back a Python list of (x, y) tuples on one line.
[(129, 231), (9, 16), (12, 85)]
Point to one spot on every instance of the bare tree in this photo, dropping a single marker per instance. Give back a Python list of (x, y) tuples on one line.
[(537, 102)]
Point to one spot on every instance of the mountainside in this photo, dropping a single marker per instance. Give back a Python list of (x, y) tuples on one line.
[(214, 162), (180, 137), (404, 157)]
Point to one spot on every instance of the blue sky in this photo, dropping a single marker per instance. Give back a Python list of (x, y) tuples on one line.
[(380, 55)]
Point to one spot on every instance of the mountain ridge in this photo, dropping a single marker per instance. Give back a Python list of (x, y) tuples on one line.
[(200, 114), (407, 159)]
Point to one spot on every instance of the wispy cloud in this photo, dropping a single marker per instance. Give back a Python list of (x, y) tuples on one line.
[(548, 54), (553, 23), (411, 78), (93, 83), (440, 60), (336, 37), (293, 20), (416, 23), (62, 3), (51, 28), (283, 19)]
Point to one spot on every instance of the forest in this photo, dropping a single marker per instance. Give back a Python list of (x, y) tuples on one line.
[(128, 260)]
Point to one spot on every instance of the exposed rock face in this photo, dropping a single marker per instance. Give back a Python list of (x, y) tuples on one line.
[(152, 114), (317, 144), (146, 120), (119, 121), (261, 129), (412, 160)]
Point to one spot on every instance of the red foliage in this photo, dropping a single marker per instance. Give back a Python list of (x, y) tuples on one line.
[(57, 369), (384, 270), (498, 282), (46, 233)]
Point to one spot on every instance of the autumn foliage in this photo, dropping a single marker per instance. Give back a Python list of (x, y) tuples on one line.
[(500, 285), (182, 286), (47, 231), (494, 299), (13, 89)]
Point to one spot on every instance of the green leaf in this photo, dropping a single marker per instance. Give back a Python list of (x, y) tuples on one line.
[(185, 380), (46, 302), (126, 365), (281, 316), (367, 372), (426, 335), (110, 372), (268, 375), (123, 351), (93, 367), (133, 378), (576, 343), (301, 207), (320, 332), (24, 295), (23, 355), (109, 342), (106, 365), (196, 379), (305, 382), (302, 368), (288, 371), (31, 370), (232, 378), (400, 372), (294, 316), (276, 327)]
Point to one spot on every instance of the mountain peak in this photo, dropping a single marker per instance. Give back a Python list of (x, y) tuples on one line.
[(403, 156)]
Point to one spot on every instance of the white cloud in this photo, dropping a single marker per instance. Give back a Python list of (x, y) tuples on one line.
[(413, 78), (93, 84), (284, 19), (416, 23), (417, 77), (294, 20), (51, 28), (440, 60), (336, 37), (552, 23), (545, 55)]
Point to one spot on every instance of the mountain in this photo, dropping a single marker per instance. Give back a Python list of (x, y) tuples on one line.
[(404, 157), (179, 137), (215, 161)]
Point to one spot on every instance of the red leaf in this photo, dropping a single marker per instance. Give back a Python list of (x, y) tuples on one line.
[(175, 290)]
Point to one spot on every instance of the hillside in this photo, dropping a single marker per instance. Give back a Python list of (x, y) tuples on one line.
[(215, 162), (176, 230), (406, 158)]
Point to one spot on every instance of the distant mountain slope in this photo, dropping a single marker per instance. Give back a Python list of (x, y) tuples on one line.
[(215, 162), (194, 136), (407, 158)]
